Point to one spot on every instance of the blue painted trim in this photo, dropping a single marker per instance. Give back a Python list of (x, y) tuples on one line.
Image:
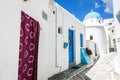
[(81, 40)]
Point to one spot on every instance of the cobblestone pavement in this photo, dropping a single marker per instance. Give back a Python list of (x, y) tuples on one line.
[(104, 68), (80, 76)]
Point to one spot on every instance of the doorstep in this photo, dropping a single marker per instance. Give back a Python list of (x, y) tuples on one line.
[(67, 74)]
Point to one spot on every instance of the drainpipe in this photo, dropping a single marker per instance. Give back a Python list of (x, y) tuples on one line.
[(56, 56)]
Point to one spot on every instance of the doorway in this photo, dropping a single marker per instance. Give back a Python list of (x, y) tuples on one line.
[(71, 46)]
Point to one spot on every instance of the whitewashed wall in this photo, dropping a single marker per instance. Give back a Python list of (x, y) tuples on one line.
[(59, 57), (98, 36), (93, 22), (116, 9), (91, 45), (52, 57), (9, 39), (53, 68), (34, 8)]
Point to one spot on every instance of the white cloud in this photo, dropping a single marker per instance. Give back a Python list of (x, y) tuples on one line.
[(108, 6), (97, 5)]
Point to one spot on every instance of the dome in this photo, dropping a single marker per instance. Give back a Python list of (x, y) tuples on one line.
[(92, 15)]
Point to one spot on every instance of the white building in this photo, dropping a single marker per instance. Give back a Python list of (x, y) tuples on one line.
[(109, 25), (10, 18), (9, 33), (95, 30), (60, 32), (65, 28), (116, 9)]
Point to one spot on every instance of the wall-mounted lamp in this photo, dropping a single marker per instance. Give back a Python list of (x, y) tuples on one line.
[(65, 44)]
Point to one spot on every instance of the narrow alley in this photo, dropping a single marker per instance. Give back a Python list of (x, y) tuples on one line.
[(104, 68), (60, 40)]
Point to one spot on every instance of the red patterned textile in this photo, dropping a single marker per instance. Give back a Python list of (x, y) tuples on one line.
[(28, 51)]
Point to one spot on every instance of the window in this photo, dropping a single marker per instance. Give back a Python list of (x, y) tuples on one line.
[(60, 30), (53, 12), (109, 23), (44, 15), (91, 20), (91, 37), (81, 40), (99, 21), (114, 42), (112, 31)]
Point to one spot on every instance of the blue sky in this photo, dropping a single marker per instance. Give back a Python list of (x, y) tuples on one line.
[(80, 8)]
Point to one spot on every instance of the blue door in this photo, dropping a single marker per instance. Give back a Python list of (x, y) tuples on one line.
[(81, 45), (71, 46), (81, 40)]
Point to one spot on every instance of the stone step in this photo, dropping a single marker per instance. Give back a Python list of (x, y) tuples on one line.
[(67, 74)]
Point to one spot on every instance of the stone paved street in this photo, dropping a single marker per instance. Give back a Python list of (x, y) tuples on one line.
[(104, 68), (80, 76)]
